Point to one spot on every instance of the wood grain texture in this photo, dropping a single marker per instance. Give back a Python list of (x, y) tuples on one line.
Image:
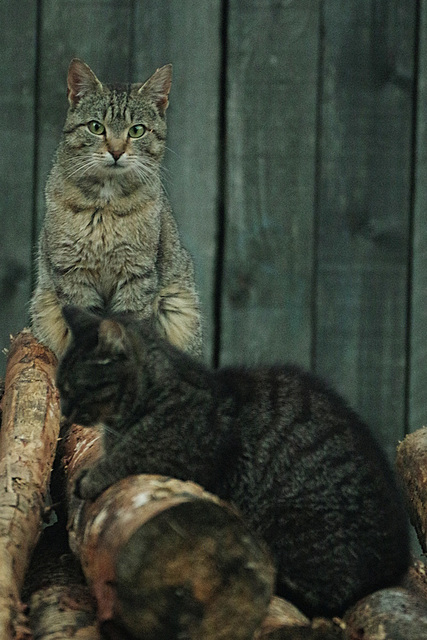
[(270, 180), (292, 119), (388, 613), (364, 207), (28, 438), (99, 33), (417, 416), (188, 36), (17, 139), (132, 41), (59, 602), (411, 464)]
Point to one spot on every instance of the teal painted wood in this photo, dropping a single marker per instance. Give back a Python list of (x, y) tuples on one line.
[(17, 139), (100, 33), (364, 207), (317, 178), (132, 40), (272, 66), (188, 36), (417, 414)]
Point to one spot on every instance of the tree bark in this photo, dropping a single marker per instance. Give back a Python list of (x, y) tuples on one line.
[(388, 614), (411, 463), (281, 616), (165, 557), (28, 438), (60, 604)]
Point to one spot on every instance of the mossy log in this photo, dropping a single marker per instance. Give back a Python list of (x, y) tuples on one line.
[(28, 439)]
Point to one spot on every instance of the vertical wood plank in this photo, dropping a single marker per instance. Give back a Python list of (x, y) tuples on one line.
[(17, 98), (270, 181), (132, 40), (97, 31), (418, 342), (187, 33), (364, 206)]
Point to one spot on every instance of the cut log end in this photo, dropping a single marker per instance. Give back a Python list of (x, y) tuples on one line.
[(193, 571), (388, 613), (165, 558)]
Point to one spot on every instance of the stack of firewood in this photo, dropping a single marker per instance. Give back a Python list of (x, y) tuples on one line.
[(151, 553)]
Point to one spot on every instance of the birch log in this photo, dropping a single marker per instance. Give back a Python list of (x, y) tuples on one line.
[(164, 558), (28, 438)]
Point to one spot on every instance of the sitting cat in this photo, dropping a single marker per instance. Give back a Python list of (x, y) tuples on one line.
[(109, 240), (301, 467)]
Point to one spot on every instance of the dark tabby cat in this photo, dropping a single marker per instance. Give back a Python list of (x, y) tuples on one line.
[(302, 467)]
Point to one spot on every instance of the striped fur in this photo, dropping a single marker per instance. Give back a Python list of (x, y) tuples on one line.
[(109, 239), (299, 464)]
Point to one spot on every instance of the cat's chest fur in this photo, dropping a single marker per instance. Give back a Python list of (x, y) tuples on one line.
[(102, 240)]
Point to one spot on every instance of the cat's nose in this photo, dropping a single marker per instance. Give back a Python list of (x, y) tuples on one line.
[(116, 154)]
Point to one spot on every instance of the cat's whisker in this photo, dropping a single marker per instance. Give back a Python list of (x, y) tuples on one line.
[(110, 430), (119, 434), (82, 167), (148, 174), (165, 180), (173, 151)]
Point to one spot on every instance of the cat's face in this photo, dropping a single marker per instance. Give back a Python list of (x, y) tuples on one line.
[(114, 131), (95, 369)]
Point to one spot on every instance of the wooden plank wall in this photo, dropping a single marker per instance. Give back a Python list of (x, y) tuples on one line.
[(297, 170)]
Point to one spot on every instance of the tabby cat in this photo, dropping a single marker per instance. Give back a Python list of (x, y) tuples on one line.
[(302, 467), (109, 239)]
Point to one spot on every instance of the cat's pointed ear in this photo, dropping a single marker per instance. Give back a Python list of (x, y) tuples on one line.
[(80, 321), (158, 87), (112, 336), (81, 80)]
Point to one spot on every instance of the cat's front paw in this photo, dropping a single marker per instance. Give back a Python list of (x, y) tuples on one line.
[(88, 487)]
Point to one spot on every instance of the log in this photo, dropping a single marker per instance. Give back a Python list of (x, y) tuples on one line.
[(388, 614), (281, 615), (60, 604), (411, 463), (164, 558), (318, 629), (28, 438), (416, 579)]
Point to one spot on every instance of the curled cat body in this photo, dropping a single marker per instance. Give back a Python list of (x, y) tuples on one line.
[(301, 466), (109, 239)]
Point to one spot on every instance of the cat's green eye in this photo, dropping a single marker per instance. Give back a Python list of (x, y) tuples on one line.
[(96, 127), (137, 131)]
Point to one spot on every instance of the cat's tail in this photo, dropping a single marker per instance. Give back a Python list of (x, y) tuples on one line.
[(177, 314)]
